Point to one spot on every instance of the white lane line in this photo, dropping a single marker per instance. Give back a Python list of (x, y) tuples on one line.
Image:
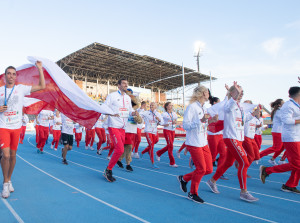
[(14, 213), (217, 206), (85, 193), (97, 157)]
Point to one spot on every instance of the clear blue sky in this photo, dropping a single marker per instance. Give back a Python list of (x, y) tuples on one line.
[(254, 42)]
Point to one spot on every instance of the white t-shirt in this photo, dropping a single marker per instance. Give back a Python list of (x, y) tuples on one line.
[(169, 119), (44, 116), (25, 120), (78, 128), (67, 125), (12, 117), (131, 125), (56, 120), (99, 123)]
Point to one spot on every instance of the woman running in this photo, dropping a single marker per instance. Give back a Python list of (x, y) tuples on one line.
[(56, 130), (233, 134), (169, 120), (277, 147), (195, 123)]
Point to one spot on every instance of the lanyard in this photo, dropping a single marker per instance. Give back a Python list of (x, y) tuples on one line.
[(171, 116), (6, 100), (242, 113), (295, 103), (153, 115)]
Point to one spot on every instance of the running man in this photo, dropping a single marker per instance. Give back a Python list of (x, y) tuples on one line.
[(67, 136), (120, 103), (11, 101)]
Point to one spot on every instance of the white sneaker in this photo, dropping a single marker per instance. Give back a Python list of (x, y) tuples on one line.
[(51, 146), (174, 165), (132, 154), (157, 157), (178, 154), (91, 148), (108, 157), (282, 162), (86, 147), (55, 149), (212, 186), (257, 162), (5, 191), (10, 187), (136, 155), (248, 197), (273, 162)]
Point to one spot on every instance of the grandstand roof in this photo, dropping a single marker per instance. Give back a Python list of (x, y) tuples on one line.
[(98, 61)]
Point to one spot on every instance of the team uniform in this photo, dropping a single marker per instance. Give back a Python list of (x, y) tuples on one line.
[(138, 136), (169, 134), (67, 130), (11, 122), (43, 119), (291, 140), (25, 120), (258, 132), (196, 142), (151, 124), (89, 138), (121, 105), (100, 131), (78, 133), (277, 147), (233, 135), (56, 131)]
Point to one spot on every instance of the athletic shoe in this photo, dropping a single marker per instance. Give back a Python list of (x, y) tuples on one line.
[(55, 149), (42, 151), (91, 148), (38, 150), (213, 187), (120, 164), (157, 157), (191, 163), (86, 147), (178, 154), (132, 154), (98, 152), (280, 162), (108, 175), (290, 189), (263, 174), (51, 146), (174, 165), (246, 196), (129, 168), (10, 187), (195, 198), (214, 163), (5, 191), (136, 155), (257, 162), (155, 166), (223, 177), (182, 183), (108, 158), (65, 162), (273, 162)]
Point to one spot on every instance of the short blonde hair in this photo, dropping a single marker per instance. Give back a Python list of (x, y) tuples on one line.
[(198, 93)]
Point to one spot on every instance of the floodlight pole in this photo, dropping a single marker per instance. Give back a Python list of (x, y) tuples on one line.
[(183, 87)]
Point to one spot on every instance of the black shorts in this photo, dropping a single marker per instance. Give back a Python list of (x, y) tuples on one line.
[(67, 139)]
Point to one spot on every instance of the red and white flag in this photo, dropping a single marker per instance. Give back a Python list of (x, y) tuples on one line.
[(60, 93)]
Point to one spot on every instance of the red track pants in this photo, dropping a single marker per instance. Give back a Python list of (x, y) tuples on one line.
[(235, 151), (251, 149), (56, 137), (118, 138), (137, 140), (217, 145), (293, 155), (43, 136), (169, 136), (101, 135), (277, 147), (202, 159), (152, 139), (90, 137)]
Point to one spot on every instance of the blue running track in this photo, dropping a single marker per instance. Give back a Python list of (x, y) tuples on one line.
[(48, 191)]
